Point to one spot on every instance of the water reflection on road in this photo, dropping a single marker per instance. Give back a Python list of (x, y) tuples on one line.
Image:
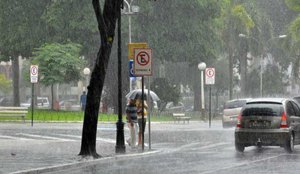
[(176, 148)]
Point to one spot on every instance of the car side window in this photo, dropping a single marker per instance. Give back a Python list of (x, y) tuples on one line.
[(289, 109), (296, 108)]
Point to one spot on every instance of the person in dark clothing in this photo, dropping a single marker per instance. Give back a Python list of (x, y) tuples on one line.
[(83, 101)]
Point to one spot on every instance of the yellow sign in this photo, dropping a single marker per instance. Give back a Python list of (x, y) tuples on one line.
[(132, 46)]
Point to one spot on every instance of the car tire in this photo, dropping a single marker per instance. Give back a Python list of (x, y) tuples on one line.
[(239, 147), (289, 144)]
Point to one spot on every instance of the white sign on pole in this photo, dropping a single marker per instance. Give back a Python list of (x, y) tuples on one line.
[(34, 71), (210, 76), (143, 62)]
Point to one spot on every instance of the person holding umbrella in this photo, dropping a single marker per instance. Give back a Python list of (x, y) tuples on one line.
[(139, 95)]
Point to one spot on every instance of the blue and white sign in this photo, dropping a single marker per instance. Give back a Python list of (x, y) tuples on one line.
[(131, 73)]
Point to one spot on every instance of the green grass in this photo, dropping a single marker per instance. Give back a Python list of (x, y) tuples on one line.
[(68, 116), (73, 116)]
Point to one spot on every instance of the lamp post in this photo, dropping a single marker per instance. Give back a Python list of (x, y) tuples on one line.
[(86, 72), (201, 67), (264, 48), (120, 145), (129, 10)]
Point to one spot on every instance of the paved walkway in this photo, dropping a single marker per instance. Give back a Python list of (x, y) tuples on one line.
[(26, 149)]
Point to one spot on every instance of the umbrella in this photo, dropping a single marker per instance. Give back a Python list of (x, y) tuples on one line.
[(137, 94)]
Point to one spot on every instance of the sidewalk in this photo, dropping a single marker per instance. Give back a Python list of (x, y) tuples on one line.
[(21, 155)]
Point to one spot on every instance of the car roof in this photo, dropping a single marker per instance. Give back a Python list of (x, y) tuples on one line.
[(271, 100), (240, 99)]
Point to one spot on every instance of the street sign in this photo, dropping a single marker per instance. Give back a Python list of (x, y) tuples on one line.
[(132, 46), (34, 71), (143, 62), (210, 76), (131, 73)]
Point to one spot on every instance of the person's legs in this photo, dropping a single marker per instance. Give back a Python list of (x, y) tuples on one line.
[(132, 135), (130, 131), (141, 130)]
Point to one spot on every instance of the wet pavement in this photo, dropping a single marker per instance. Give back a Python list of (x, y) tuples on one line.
[(176, 149), (47, 147)]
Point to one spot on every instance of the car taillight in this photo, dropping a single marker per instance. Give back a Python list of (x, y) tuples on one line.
[(283, 123), (239, 119)]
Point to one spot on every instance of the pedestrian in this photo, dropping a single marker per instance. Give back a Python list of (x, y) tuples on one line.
[(83, 101), (141, 123), (131, 115)]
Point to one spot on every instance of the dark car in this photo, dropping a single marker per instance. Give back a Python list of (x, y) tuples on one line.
[(268, 122)]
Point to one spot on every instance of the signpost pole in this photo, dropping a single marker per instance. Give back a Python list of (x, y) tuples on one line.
[(142, 67), (33, 79), (149, 113), (32, 104), (143, 115), (210, 80), (209, 106)]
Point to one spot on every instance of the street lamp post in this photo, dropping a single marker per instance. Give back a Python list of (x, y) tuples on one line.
[(264, 48), (129, 10), (201, 67), (86, 72), (120, 145)]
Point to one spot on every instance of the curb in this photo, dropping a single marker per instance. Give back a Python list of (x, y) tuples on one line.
[(82, 163)]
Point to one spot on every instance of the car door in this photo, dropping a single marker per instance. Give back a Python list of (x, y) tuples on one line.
[(296, 121)]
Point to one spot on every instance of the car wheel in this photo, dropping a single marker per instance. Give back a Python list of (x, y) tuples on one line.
[(239, 147), (289, 145)]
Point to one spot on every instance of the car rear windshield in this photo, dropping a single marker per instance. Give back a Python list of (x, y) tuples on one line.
[(235, 104), (263, 109)]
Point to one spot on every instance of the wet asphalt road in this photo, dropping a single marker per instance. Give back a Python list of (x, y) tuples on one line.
[(176, 148)]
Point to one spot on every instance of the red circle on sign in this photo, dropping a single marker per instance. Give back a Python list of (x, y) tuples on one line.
[(143, 58), (34, 70), (210, 72)]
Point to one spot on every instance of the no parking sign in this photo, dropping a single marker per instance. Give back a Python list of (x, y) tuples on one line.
[(34, 72), (143, 62), (210, 76)]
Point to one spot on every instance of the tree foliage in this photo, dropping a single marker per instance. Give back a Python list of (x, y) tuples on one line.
[(58, 63), (21, 30), (293, 4), (5, 84), (160, 86), (72, 21)]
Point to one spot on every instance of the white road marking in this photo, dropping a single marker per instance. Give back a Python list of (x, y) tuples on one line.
[(14, 138), (108, 140), (44, 137)]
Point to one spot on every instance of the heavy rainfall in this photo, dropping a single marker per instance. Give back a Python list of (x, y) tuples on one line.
[(150, 86)]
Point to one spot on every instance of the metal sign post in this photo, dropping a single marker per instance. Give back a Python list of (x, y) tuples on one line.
[(34, 71), (210, 80), (143, 67)]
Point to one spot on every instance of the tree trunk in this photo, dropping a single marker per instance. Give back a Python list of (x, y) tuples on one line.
[(230, 56), (243, 64), (106, 26), (197, 93), (16, 74), (52, 96)]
